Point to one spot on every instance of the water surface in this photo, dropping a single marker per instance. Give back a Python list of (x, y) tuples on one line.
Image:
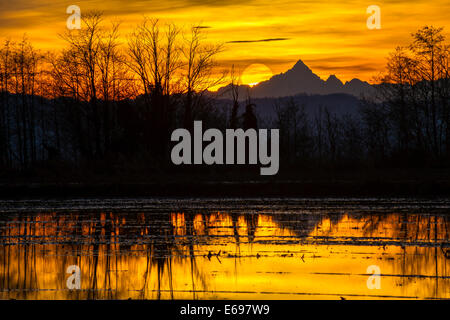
[(225, 248)]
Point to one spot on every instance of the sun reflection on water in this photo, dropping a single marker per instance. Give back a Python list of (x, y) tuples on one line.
[(204, 255)]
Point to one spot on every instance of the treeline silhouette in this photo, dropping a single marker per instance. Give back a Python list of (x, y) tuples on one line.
[(406, 123), (110, 105), (99, 99)]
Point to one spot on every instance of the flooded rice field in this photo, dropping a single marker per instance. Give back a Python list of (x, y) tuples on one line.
[(225, 249)]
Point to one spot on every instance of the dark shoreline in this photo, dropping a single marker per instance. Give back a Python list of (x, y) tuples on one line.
[(337, 188)]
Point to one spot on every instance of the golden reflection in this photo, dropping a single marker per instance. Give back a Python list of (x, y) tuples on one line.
[(185, 255)]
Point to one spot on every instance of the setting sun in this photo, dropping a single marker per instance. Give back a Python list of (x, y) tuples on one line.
[(255, 73)]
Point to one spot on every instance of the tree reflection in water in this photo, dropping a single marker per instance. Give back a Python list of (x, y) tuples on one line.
[(194, 254)]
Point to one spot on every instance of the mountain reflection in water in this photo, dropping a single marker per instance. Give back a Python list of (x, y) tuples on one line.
[(224, 249)]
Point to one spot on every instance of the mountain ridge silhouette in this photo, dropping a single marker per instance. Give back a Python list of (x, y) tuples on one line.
[(300, 79)]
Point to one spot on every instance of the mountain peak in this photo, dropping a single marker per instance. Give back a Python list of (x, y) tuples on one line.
[(334, 82), (300, 66), (354, 81), (332, 77)]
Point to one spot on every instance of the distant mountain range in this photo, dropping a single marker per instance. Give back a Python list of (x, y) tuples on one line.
[(300, 80), (338, 104)]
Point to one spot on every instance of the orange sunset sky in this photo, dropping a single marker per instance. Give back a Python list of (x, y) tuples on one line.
[(331, 37)]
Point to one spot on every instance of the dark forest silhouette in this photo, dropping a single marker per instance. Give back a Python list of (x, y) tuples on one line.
[(109, 106)]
